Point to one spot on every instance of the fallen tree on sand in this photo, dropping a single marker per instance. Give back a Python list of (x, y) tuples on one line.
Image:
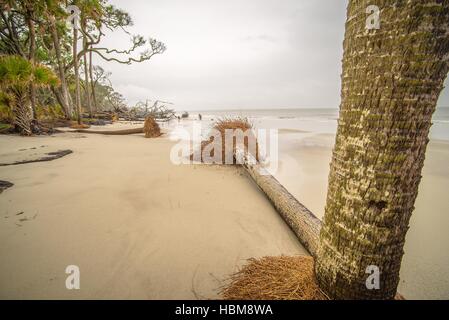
[(50, 156), (150, 128)]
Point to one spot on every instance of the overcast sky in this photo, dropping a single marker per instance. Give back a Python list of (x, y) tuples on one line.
[(231, 54)]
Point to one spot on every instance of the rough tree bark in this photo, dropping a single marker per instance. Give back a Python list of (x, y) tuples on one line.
[(77, 77), (86, 70), (22, 114), (391, 81), (92, 83), (31, 57), (63, 92)]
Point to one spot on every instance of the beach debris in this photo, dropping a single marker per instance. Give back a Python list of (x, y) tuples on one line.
[(49, 156), (79, 126), (5, 185), (111, 132), (158, 110), (274, 278), (151, 128)]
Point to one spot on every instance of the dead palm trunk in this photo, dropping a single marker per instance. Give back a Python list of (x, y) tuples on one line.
[(77, 78), (391, 81)]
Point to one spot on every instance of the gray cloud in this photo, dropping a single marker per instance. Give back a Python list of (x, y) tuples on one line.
[(236, 54)]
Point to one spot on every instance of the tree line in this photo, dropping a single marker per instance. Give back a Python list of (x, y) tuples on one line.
[(46, 63)]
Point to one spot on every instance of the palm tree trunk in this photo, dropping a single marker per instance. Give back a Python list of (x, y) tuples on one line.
[(77, 78), (391, 81), (22, 114)]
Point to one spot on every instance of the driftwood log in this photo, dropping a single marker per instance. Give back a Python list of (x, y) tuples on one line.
[(111, 132), (150, 128), (5, 185), (301, 220), (50, 156)]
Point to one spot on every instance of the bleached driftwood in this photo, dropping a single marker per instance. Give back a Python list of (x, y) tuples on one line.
[(111, 132)]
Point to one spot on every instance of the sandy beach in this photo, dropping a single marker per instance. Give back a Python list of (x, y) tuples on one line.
[(136, 225), (140, 227)]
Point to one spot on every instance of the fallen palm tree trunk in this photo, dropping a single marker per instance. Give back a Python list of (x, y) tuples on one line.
[(301, 220), (304, 223)]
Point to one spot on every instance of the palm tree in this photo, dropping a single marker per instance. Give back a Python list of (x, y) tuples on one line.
[(391, 81), (16, 76)]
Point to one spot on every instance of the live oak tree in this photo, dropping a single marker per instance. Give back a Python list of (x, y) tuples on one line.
[(391, 80)]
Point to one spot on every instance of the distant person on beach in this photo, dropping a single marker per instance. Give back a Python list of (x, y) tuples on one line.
[(179, 119), (200, 116)]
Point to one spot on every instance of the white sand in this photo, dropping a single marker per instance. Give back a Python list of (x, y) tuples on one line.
[(304, 170), (135, 224)]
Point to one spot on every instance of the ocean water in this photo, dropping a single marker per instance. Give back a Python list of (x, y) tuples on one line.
[(313, 120)]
